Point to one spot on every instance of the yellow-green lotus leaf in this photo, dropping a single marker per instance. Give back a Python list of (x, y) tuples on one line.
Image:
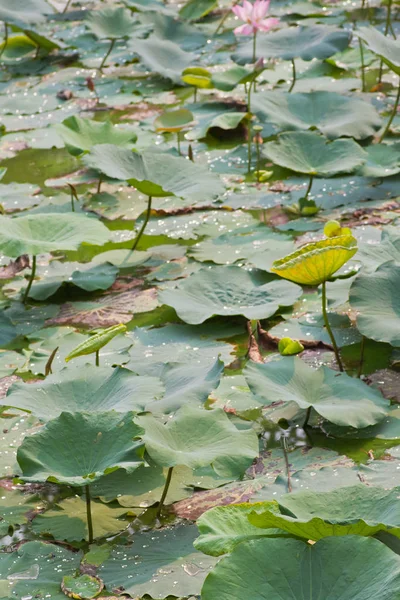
[(315, 263), (197, 77)]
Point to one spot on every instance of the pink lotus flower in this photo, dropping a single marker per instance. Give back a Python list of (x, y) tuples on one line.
[(254, 17)]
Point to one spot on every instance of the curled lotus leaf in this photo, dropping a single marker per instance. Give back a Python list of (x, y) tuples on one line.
[(96, 342), (316, 262), (197, 77)]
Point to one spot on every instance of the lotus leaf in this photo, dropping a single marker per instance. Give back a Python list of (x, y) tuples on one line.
[(163, 561), (78, 448), (67, 520), (385, 47), (110, 23), (375, 297), (310, 153), (155, 174), (40, 233), (224, 527), (337, 568), (197, 438), (356, 510), (228, 291), (305, 42), (335, 396), (316, 262), (91, 388), (33, 568), (80, 135), (333, 114)]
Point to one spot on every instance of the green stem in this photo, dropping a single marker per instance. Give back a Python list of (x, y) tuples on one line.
[(195, 95), (309, 186), (328, 328), (66, 7), (32, 277), (361, 363), (258, 159), (294, 75), (89, 515), (285, 454), (363, 88), (254, 46), (179, 143), (388, 23), (146, 220), (249, 147), (107, 54), (392, 116), (165, 491), (249, 87), (308, 414), (388, 27), (99, 185), (37, 51), (5, 43), (97, 358)]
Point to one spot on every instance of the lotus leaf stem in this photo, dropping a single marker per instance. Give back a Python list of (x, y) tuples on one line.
[(194, 94), (361, 363), (103, 62), (178, 144), (258, 158), (97, 358), (146, 220), (363, 86), (308, 414), (392, 116), (5, 43), (249, 147), (165, 491), (328, 328), (66, 7), (89, 515), (99, 185), (294, 75), (285, 454), (74, 196), (32, 277), (309, 186)]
